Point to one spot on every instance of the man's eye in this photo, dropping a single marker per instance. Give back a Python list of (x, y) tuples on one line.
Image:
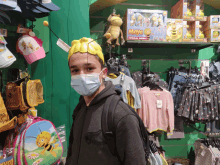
[(89, 69), (74, 71)]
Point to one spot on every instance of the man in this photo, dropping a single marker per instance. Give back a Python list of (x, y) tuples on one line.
[(87, 145)]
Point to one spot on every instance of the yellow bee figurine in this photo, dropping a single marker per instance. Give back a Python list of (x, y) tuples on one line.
[(188, 35), (189, 13), (140, 20), (114, 29), (173, 31), (43, 140), (201, 13), (133, 20), (201, 35), (215, 34)]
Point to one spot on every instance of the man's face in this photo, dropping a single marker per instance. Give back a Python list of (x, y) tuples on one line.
[(85, 63)]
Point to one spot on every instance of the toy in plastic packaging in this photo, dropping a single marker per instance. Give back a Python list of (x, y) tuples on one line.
[(145, 25)]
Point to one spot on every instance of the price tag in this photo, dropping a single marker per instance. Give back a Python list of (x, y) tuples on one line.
[(159, 104), (63, 45)]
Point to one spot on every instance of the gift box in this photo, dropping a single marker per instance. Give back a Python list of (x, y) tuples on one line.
[(188, 31), (198, 10), (213, 35), (198, 31), (183, 9), (174, 30), (213, 22)]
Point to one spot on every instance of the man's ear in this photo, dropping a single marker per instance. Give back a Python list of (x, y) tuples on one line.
[(105, 73)]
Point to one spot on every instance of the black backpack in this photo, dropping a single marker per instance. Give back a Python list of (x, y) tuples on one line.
[(108, 125)]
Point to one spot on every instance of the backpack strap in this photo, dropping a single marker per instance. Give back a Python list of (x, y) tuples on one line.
[(107, 122), (108, 129)]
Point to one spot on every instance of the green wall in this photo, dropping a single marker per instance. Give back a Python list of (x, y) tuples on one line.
[(174, 148), (69, 23)]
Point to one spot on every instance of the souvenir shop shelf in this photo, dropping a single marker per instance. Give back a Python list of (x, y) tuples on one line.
[(145, 44), (213, 3)]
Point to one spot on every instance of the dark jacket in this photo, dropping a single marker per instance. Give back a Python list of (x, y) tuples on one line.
[(87, 146)]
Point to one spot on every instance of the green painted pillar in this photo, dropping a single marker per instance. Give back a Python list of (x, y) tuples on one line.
[(69, 23)]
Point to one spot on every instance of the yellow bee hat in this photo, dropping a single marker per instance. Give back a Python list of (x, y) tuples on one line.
[(85, 45)]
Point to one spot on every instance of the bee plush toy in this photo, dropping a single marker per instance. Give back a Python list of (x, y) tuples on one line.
[(114, 30)]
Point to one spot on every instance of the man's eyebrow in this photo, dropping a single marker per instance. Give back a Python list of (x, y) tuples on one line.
[(73, 66), (87, 64)]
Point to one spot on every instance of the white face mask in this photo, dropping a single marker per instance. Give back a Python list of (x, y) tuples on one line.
[(86, 84)]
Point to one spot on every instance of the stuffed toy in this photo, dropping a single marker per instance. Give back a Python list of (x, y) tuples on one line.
[(114, 30)]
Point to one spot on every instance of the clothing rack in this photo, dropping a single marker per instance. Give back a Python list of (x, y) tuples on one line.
[(196, 129), (170, 59)]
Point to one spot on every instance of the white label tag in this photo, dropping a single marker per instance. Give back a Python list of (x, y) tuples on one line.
[(203, 153), (63, 45), (159, 104)]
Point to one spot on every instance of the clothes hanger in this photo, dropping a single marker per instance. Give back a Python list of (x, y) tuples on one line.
[(113, 67), (182, 68), (151, 83)]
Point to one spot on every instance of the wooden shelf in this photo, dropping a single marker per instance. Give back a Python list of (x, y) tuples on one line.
[(102, 4), (146, 44), (213, 3)]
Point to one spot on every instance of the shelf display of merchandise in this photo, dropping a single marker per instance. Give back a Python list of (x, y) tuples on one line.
[(187, 24)]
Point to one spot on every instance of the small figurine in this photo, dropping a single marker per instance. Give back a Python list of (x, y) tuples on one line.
[(201, 13), (133, 20), (139, 19), (114, 29), (188, 35), (189, 13), (201, 35), (160, 20), (154, 20), (147, 21), (215, 34)]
